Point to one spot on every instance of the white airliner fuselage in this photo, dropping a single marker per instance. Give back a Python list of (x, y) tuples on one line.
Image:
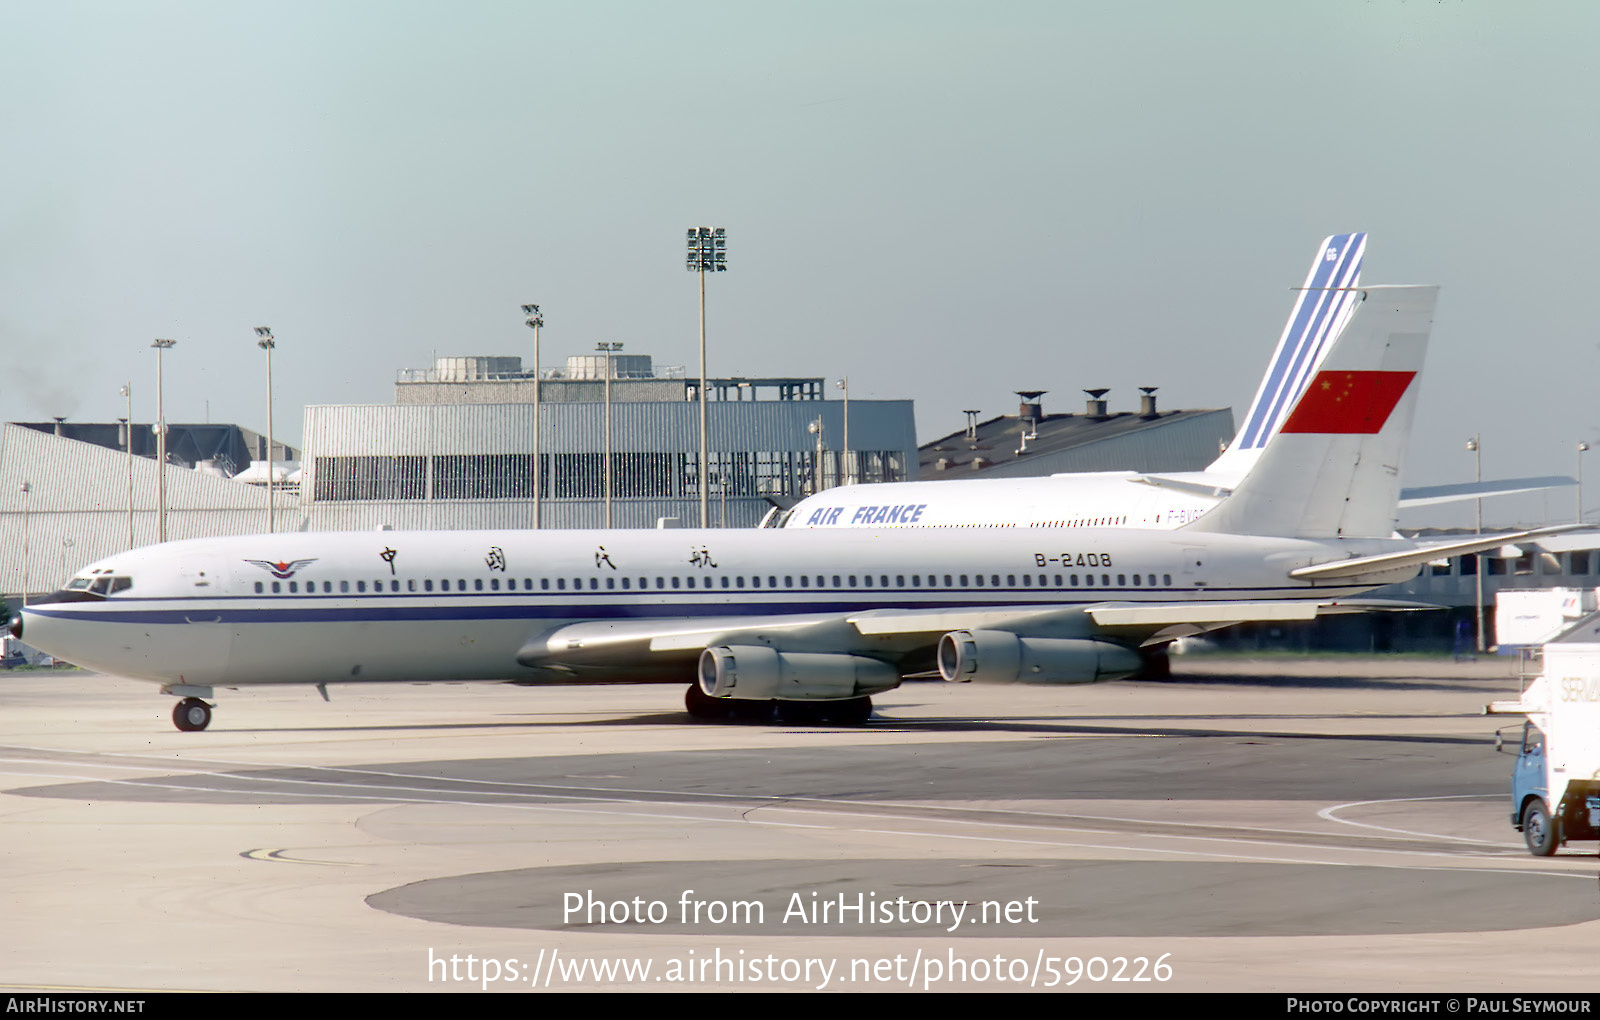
[(418, 606)]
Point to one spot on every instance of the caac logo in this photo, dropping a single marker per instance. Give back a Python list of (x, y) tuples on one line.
[(282, 571)]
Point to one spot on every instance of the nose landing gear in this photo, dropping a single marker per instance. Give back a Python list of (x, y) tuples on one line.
[(191, 714)]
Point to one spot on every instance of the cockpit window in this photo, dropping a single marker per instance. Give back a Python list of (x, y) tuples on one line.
[(121, 584), (101, 586), (79, 583)]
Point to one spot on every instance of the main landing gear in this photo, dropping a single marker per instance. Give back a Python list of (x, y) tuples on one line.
[(191, 714), (847, 712)]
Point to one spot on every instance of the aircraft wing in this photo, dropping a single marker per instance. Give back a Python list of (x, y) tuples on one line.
[(895, 634), (1363, 565)]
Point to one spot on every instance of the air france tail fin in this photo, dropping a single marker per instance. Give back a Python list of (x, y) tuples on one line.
[(1318, 314), (1333, 470)]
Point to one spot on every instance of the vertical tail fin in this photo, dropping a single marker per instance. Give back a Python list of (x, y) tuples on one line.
[(1318, 314), (1333, 469)]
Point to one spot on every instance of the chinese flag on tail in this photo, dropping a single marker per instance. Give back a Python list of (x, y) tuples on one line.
[(1348, 403)]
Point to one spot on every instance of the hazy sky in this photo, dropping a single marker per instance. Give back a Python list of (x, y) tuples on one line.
[(945, 201)]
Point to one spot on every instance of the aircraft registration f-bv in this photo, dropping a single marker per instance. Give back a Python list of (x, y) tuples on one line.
[(806, 620)]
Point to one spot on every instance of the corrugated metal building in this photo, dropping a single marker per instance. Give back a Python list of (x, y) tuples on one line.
[(1032, 443), (472, 465), (75, 507)]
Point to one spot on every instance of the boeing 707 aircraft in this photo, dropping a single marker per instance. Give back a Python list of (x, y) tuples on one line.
[(818, 620)]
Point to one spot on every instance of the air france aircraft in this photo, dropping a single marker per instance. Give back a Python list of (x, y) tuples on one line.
[(1128, 499), (814, 622)]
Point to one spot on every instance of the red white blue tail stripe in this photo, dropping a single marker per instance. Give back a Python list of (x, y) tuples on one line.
[(1319, 313)]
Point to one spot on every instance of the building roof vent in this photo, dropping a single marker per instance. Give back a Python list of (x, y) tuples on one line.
[(1147, 403), (1096, 405)]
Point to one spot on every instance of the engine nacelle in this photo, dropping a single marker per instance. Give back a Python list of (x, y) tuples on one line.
[(1000, 657), (758, 673)]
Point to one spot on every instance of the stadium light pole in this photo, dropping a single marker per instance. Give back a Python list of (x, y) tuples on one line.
[(708, 252), (25, 489), (609, 349), (1583, 448), (533, 319), (127, 391), (265, 342), (846, 469), (161, 445), (1475, 448), (815, 428)]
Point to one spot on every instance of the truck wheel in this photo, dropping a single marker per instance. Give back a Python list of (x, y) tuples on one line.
[(1539, 830)]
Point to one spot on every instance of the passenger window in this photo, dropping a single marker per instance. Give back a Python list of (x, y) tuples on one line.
[(611, 584), (259, 587), (294, 587), (427, 585), (411, 584), (494, 583), (361, 586), (1011, 580), (344, 587), (544, 584), (805, 582), (276, 587)]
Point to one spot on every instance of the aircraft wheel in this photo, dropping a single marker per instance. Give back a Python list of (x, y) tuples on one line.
[(191, 714), (854, 712), (701, 705), (1540, 831)]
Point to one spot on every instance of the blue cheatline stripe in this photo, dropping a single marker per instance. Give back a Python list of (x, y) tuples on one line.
[(299, 612), (1314, 314)]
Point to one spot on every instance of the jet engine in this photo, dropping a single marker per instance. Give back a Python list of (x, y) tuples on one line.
[(1000, 657), (758, 673)]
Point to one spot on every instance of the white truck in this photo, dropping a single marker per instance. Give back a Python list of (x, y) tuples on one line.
[(1555, 785)]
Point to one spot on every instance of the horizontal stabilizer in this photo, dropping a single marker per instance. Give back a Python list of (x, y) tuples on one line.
[(1427, 495)]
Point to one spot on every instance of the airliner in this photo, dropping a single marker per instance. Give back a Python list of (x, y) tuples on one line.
[(812, 622), (1129, 499)]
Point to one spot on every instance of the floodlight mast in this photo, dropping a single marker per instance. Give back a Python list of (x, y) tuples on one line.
[(161, 445), (533, 318), (708, 251), (265, 342), (610, 350)]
